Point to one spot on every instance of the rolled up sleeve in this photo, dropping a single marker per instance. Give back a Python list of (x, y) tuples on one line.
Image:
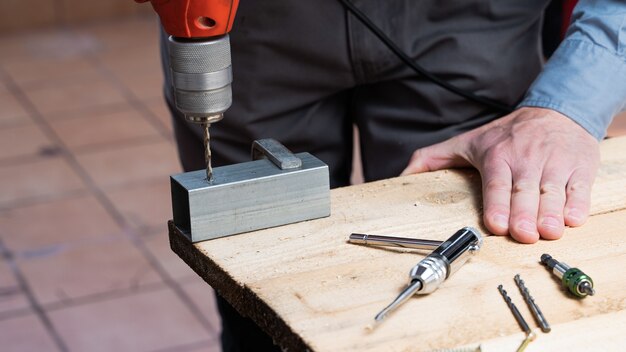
[(585, 79)]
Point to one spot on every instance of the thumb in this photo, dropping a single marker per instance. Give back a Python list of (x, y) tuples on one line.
[(436, 157)]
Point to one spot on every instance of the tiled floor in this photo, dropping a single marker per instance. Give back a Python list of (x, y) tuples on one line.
[(85, 152), (86, 148)]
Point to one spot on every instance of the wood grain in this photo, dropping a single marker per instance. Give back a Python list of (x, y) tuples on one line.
[(309, 289)]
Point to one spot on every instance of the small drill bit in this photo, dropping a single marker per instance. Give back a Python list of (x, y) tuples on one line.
[(409, 291), (518, 316), (207, 152), (530, 301)]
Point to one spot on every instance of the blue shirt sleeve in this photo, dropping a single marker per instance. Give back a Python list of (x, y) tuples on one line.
[(585, 79)]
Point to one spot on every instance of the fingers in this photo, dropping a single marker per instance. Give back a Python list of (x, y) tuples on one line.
[(497, 184), (550, 221), (436, 157), (578, 192), (543, 208)]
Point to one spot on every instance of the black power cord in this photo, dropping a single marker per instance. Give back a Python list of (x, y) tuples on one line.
[(493, 104)]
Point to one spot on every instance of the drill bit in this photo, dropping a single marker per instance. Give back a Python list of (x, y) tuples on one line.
[(576, 281), (534, 309), (518, 316), (207, 152), (409, 291), (375, 240)]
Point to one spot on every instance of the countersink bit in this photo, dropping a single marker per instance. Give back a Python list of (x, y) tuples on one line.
[(534, 309), (207, 152), (576, 281), (518, 316)]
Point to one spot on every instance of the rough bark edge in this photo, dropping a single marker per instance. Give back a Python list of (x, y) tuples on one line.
[(244, 300)]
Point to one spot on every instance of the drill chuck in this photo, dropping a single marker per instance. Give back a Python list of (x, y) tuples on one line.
[(201, 73), (574, 279), (442, 262)]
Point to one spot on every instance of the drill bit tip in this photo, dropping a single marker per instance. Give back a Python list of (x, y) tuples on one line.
[(586, 287), (413, 287), (207, 152)]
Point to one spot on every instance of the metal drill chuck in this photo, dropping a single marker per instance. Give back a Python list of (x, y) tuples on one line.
[(442, 262), (574, 279), (201, 72), (446, 259)]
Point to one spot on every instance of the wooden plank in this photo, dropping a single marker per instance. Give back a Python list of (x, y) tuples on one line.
[(309, 289)]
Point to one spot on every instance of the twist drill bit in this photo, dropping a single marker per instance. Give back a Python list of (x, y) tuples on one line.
[(518, 316), (530, 301), (576, 281), (207, 152)]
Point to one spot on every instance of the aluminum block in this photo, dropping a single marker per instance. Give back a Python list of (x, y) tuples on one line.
[(249, 196)]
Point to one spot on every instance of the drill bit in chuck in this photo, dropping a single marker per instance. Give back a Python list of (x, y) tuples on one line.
[(430, 272), (207, 152), (409, 291)]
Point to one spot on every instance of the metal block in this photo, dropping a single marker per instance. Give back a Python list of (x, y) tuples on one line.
[(250, 196)]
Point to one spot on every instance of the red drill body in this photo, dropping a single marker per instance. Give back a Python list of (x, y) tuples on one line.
[(195, 18), (199, 58)]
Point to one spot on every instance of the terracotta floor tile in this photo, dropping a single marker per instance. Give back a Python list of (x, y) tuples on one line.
[(23, 140), (38, 179), (114, 35), (142, 57), (145, 206), (159, 108), (49, 71), (50, 43), (131, 164), (66, 272), (25, 333), (11, 296), (75, 96), (11, 111), (203, 296), (103, 129), (143, 322), (158, 243), (145, 84), (79, 218)]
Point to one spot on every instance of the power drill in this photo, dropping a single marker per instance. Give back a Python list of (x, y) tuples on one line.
[(200, 64)]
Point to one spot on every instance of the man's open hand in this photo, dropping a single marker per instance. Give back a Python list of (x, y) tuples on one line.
[(537, 168)]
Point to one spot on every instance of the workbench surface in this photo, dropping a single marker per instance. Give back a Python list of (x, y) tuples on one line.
[(309, 289)]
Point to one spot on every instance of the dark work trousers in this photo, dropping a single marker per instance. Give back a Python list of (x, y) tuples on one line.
[(305, 72)]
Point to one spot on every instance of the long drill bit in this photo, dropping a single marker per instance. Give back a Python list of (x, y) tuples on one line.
[(207, 152), (534, 309), (518, 316)]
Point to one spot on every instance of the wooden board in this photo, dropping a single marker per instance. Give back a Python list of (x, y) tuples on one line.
[(310, 289)]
